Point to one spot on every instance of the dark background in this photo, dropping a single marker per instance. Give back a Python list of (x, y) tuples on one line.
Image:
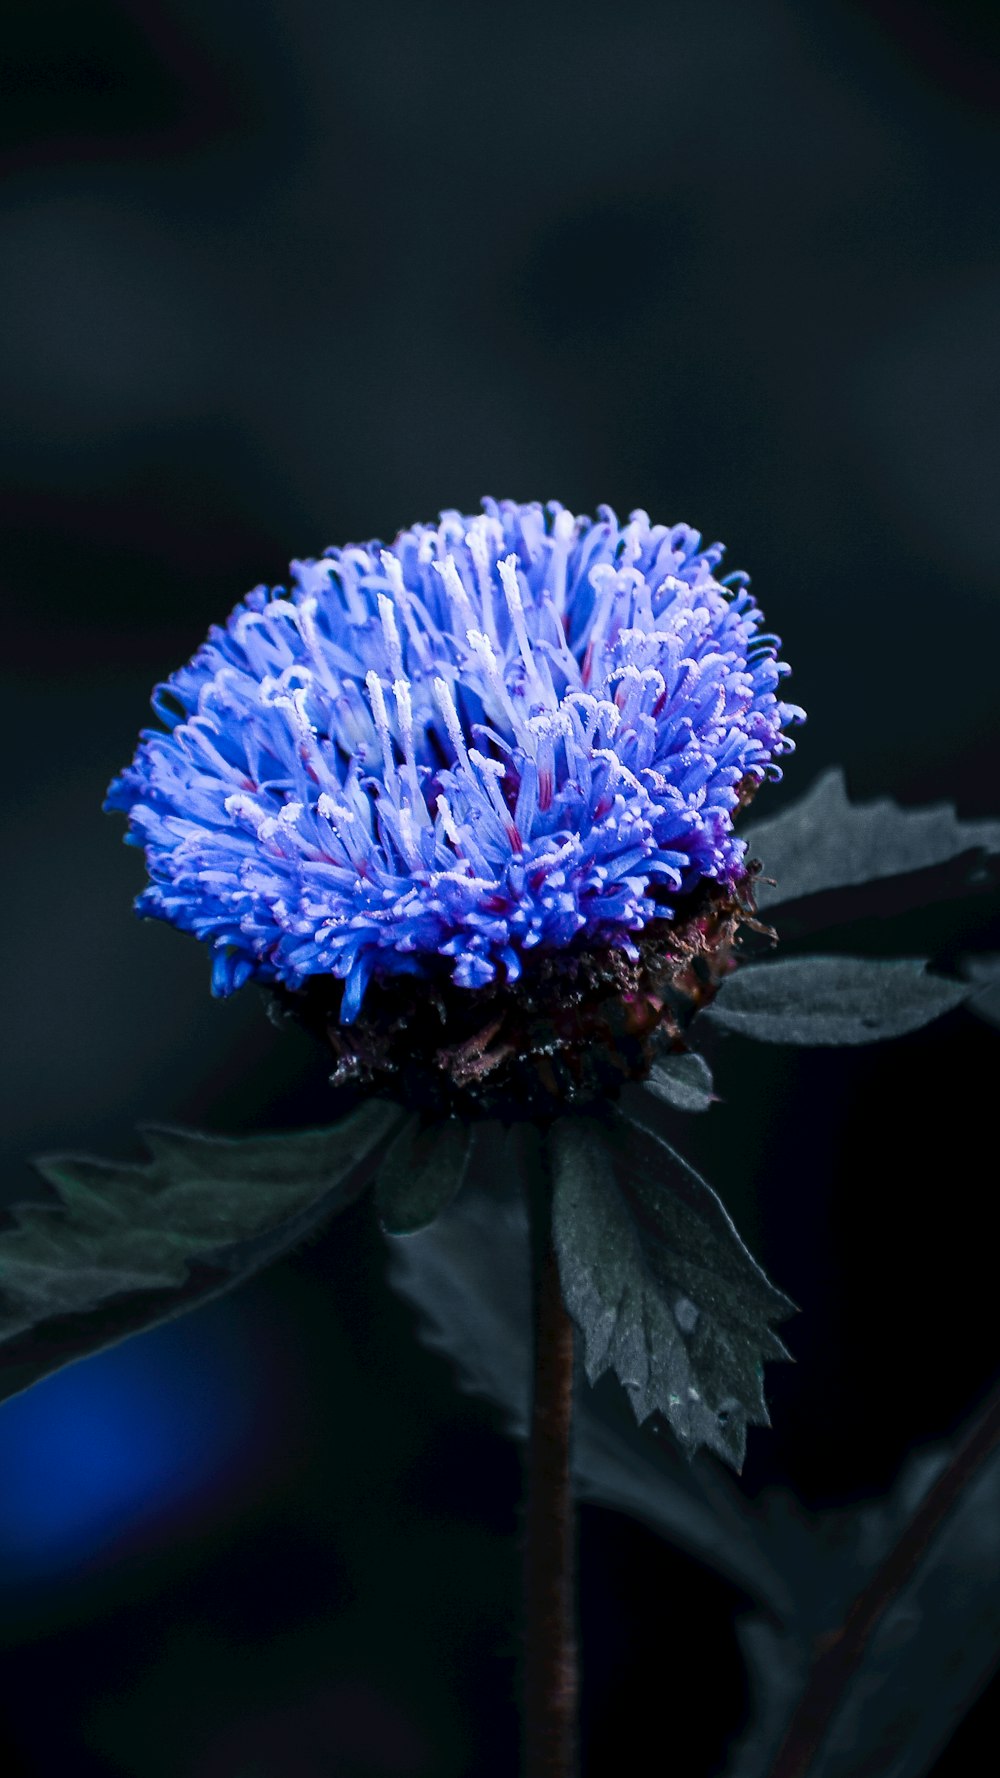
[(281, 276)]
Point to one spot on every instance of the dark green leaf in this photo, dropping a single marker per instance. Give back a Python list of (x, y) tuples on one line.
[(832, 1000), (660, 1284), (125, 1245), (422, 1170), (468, 1277), (683, 1081), (823, 841)]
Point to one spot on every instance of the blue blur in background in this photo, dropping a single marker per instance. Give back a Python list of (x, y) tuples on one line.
[(127, 1441)]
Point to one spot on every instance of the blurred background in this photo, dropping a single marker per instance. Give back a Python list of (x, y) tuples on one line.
[(276, 277)]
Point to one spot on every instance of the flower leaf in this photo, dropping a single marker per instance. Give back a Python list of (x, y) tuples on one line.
[(422, 1170), (126, 1245), (834, 1000), (660, 1284), (683, 1081), (824, 841), (468, 1278)]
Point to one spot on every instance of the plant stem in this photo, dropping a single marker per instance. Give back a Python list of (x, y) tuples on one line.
[(550, 1661), (843, 1653)]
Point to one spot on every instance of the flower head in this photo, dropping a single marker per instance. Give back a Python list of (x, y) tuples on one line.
[(517, 732)]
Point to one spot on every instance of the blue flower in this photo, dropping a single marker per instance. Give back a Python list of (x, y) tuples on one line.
[(515, 731)]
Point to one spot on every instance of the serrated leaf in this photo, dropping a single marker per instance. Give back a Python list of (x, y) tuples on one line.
[(683, 1081), (659, 1283), (824, 841), (468, 1276), (834, 1000), (422, 1170), (124, 1245)]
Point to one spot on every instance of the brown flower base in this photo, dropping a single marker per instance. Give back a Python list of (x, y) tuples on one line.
[(575, 1028)]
